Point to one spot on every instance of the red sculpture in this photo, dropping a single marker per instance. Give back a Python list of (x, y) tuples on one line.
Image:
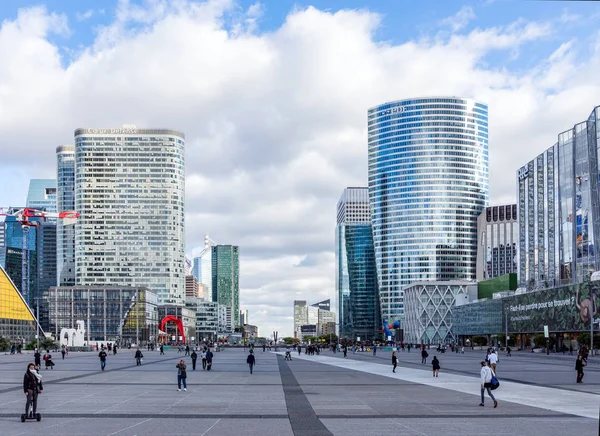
[(177, 322)]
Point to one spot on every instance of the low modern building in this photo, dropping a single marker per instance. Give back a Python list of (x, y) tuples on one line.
[(429, 308), (187, 315), (477, 318), (17, 322), (307, 330), (207, 318), (251, 332), (122, 314), (497, 241)]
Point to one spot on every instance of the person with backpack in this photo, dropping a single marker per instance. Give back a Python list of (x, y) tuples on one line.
[(251, 361), (181, 375), (435, 363), (424, 356), (486, 383), (138, 357), (102, 356)]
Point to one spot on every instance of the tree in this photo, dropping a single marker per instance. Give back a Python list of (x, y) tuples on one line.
[(326, 338), (539, 340), (4, 344), (288, 340), (479, 340)]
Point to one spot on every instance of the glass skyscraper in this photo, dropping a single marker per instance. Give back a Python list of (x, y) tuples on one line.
[(356, 274), (65, 201), (202, 267), (559, 209), (42, 194), (428, 182), (226, 278), (129, 192), (498, 239)]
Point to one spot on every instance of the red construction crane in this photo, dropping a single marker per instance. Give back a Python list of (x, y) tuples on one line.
[(23, 216)]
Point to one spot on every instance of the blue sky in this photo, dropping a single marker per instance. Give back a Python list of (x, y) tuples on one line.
[(273, 100)]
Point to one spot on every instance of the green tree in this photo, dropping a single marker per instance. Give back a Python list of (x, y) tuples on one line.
[(539, 340), (4, 344), (288, 340), (479, 340)]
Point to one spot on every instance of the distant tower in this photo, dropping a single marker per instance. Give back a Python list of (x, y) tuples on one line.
[(65, 201), (226, 278)]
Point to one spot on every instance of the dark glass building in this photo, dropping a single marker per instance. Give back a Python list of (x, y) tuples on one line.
[(46, 270), (356, 274), (226, 278)]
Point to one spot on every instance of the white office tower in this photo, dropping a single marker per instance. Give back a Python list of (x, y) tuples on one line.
[(129, 191), (202, 267), (65, 229)]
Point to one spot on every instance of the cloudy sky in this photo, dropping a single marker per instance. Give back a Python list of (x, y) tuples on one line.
[(273, 97)]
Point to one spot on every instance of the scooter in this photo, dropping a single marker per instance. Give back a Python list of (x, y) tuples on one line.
[(30, 415)]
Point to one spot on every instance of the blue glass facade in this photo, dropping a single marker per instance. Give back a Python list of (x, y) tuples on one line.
[(65, 201), (428, 182), (42, 194)]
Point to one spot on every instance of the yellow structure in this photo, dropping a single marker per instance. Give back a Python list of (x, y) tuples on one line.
[(17, 321)]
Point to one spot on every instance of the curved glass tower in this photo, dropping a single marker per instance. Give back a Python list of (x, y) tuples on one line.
[(428, 182)]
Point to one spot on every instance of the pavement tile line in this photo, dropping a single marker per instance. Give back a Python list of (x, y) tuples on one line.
[(558, 400), (303, 419)]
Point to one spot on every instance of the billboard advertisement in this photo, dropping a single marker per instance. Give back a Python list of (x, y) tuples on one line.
[(562, 309)]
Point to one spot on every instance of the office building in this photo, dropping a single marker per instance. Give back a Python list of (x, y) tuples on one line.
[(243, 317), (429, 305), (129, 186), (226, 278), (558, 207), (121, 314), (202, 266), (250, 332), (225, 317), (304, 315), (46, 270), (192, 288), (207, 318), (326, 318), (497, 241), (428, 183), (356, 272), (17, 322), (2, 245), (65, 229), (42, 194)]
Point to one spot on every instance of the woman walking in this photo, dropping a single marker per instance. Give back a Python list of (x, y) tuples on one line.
[(435, 363), (394, 361), (181, 376), (486, 383)]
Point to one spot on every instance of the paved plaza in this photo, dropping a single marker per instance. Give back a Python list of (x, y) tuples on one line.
[(311, 395)]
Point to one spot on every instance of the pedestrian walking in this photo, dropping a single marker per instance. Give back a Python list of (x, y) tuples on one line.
[(486, 383), (194, 357), (493, 359), (187, 350), (32, 386), (138, 357), (63, 351), (203, 357), (435, 363), (394, 361), (345, 351), (37, 359), (508, 352), (209, 359), (374, 350), (299, 349), (181, 375), (162, 350), (579, 364), (251, 361), (570, 349), (102, 356), (264, 347), (424, 356)]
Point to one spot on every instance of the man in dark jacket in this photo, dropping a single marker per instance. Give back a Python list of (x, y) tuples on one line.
[(424, 356), (138, 357), (38, 359), (579, 368), (32, 386), (194, 357), (251, 361), (102, 356), (209, 358)]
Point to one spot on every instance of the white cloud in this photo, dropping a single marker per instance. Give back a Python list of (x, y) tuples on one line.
[(82, 16), (459, 20), (275, 122)]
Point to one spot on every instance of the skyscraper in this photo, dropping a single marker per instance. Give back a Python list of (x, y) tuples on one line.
[(129, 186), (559, 209), (46, 270), (498, 238), (202, 266), (2, 245), (428, 182), (356, 273), (42, 194), (226, 278), (65, 201)]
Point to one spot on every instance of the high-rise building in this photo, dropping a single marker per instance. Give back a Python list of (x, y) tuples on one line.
[(129, 186), (65, 229), (191, 287), (226, 278), (497, 241), (311, 320), (202, 266), (42, 194), (356, 273), (2, 245), (428, 183), (243, 317), (46, 270), (559, 209)]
